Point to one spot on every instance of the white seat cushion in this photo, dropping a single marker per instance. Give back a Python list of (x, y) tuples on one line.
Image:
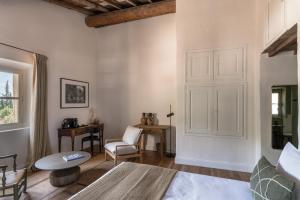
[(121, 150), (132, 135), (289, 165)]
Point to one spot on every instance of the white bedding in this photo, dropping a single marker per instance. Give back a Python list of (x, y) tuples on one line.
[(188, 186)]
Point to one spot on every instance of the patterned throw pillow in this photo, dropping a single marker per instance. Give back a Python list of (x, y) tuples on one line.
[(267, 184)]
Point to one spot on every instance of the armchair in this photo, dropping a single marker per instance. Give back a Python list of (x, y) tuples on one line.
[(127, 147), (12, 183)]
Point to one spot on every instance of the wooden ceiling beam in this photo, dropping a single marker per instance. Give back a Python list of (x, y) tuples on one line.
[(108, 3), (288, 45), (99, 5), (87, 5), (127, 1), (71, 6), (286, 42), (132, 14)]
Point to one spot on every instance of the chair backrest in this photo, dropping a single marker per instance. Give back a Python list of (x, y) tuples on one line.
[(132, 135)]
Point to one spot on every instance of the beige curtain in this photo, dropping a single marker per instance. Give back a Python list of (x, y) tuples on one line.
[(39, 138)]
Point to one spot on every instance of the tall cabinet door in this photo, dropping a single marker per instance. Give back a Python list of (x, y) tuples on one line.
[(199, 110), (275, 19), (292, 12), (229, 108)]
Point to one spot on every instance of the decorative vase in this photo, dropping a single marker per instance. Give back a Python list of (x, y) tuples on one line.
[(150, 119), (144, 119)]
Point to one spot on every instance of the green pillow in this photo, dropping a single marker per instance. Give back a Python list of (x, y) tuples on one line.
[(267, 184)]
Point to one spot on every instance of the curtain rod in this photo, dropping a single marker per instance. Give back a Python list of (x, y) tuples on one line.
[(17, 48)]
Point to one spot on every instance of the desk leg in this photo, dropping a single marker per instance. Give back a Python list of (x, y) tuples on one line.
[(92, 142), (143, 142), (73, 140), (102, 140), (59, 144), (162, 145)]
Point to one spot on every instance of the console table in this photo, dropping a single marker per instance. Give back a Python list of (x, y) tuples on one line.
[(160, 130), (73, 132)]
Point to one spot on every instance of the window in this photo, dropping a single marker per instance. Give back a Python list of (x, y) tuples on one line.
[(275, 103), (9, 99)]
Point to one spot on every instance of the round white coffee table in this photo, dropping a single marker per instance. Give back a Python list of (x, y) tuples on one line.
[(62, 172)]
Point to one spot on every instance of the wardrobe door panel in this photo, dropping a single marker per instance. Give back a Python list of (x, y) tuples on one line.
[(199, 106), (230, 106), (199, 66), (229, 64)]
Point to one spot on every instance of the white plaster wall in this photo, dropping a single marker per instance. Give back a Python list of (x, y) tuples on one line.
[(207, 24), (288, 60), (278, 70), (136, 73), (70, 45)]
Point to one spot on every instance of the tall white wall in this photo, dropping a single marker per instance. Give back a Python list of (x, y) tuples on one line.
[(278, 70), (281, 69), (209, 24), (70, 45), (136, 73)]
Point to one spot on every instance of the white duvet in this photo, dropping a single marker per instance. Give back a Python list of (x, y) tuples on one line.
[(188, 186)]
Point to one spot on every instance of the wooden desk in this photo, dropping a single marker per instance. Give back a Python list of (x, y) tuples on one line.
[(160, 130), (73, 132)]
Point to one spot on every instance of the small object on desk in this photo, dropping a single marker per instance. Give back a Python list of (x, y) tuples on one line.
[(144, 119), (70, 123), (150, 119), (71, 157)]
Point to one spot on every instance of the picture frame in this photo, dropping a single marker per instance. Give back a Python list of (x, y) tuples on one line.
[(73, 93)]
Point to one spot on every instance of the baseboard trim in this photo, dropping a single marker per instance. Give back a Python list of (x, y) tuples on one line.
[(214, 164)]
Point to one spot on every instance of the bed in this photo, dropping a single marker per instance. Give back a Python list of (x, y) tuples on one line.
[(138, 181), (197, 187)]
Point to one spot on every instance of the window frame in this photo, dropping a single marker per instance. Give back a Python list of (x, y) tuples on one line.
[(20, 123), (279, 91)]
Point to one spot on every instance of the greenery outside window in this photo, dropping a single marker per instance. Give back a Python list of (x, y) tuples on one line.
[(10, 100)]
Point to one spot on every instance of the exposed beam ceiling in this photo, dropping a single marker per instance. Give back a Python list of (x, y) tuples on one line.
[(131, 14), (286, 42), (108, 12)]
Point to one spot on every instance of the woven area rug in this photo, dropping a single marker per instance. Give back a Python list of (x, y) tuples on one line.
[(42, 187), (92, 175)]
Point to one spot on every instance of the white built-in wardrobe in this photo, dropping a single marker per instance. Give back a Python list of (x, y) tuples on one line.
[(215, 92)]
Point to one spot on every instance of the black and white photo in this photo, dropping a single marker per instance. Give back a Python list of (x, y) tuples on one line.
[(74, 94)]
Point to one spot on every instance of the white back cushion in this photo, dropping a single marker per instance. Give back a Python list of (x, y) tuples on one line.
[(132, 135), (289, 166)]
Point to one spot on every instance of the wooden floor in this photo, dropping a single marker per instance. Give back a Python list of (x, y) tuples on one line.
[(39, 186)]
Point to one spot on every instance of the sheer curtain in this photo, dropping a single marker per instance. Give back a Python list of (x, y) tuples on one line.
[(39, 138)]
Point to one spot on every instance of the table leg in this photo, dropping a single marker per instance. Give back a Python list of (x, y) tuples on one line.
[(59, 178), (102, 139), (59, 144), (162, 145), (165, 140), (73, 140), (143, 142), (92, 142)]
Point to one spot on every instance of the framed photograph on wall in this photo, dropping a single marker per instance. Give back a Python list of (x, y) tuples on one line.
[(74, 94)]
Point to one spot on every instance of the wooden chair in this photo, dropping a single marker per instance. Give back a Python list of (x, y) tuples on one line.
[(13, 183), (97, 135), (127, 147)]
